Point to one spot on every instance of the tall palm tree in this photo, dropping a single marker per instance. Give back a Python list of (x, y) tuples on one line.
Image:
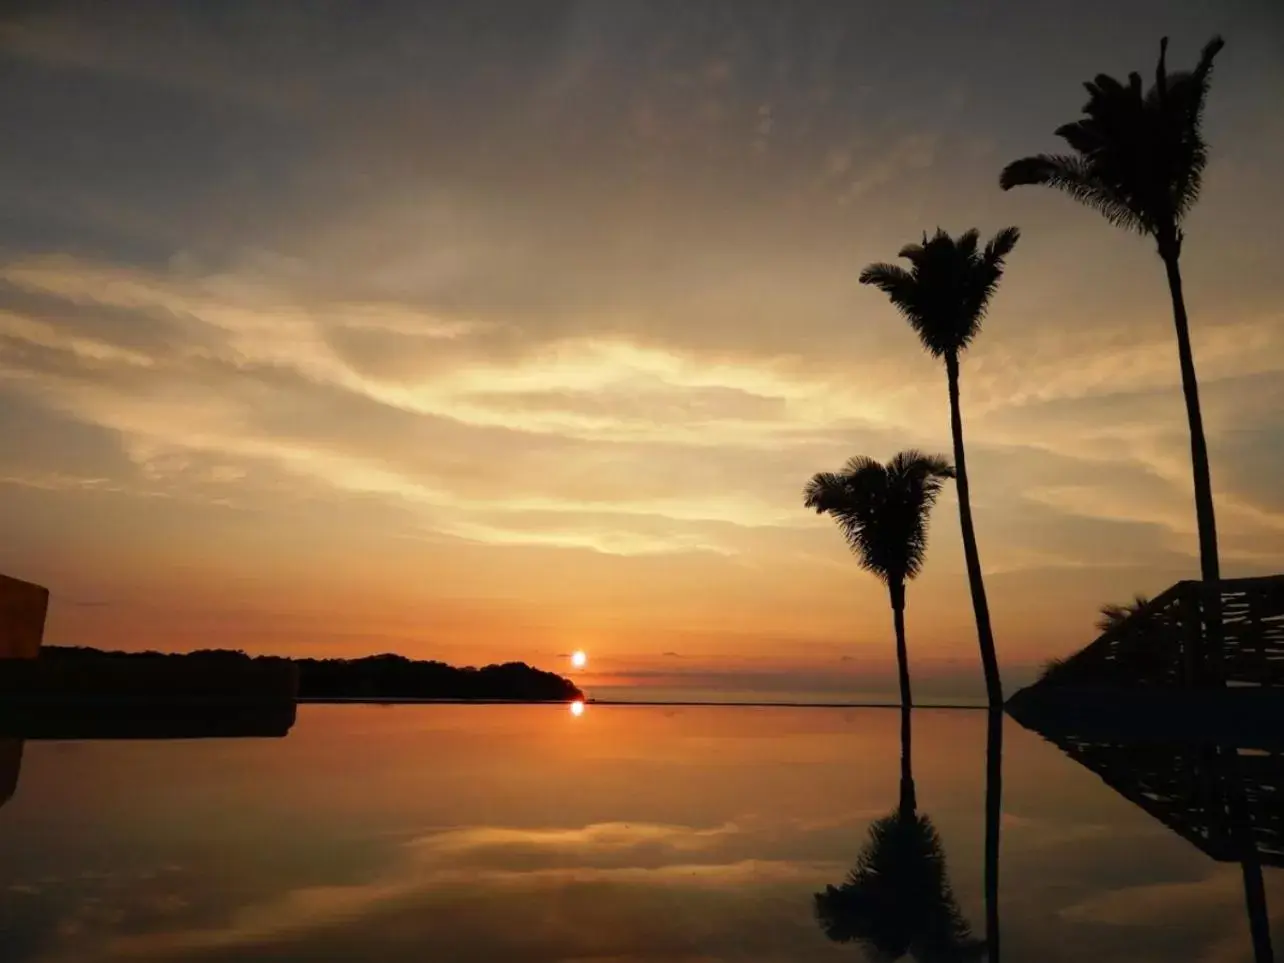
[(1138, 159), (944, 295), (897, 900), (882, 511)]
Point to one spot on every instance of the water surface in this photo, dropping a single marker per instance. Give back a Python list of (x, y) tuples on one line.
[(521, 833)]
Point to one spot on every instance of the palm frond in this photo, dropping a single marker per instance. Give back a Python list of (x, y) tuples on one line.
[(825, 492), (1049, 170), (917, 468), (1139, 155), (861, 469), (1001, 245), (1113, 615), (892, 279), (946, 290), (900, 286), (912, 252), (1076, 177), (882, 510), (1161, 68), (1204, 69)]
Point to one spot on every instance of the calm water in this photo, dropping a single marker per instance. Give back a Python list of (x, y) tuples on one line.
[(627, 834)]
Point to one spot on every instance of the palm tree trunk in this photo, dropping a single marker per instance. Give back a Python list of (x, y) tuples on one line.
[(1209, 568), (993, 815), (909, 798), (908, 801), (897, 590), (980, 607)]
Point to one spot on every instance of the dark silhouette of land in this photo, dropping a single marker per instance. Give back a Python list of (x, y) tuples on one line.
[(107, 719), (103, 720), (373, 678)]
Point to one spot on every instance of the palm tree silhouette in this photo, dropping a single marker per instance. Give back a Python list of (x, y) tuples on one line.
[(944, 295), (1114, 615), (897, 900), (882, 511), (1139, 160)]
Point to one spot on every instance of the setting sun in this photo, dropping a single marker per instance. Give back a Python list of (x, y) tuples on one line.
[(577, 708), (579, 659)]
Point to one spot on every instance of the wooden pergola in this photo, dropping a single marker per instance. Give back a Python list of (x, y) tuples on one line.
[(1171, 640)]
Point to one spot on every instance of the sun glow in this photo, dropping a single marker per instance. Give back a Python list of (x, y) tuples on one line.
[(577, 707), (579, 659)]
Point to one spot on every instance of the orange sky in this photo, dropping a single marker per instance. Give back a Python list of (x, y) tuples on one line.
[(486, 338)]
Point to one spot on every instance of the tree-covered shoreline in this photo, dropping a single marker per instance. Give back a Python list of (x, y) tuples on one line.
[(384, 676)]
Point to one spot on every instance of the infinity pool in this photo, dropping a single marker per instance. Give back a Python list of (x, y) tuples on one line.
[(524, 833)]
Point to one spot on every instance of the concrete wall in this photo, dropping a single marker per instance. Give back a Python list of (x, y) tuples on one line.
[(22, 618)]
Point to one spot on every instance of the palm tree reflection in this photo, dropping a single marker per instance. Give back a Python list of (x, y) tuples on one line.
[(897, 900), (993, 814)]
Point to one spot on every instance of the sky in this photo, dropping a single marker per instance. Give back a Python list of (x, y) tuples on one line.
[(492, 331)]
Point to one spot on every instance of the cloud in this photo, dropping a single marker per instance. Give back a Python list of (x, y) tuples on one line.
[(912, 153), (446, 884), (522, 289), (1138, 905), (227, 372)]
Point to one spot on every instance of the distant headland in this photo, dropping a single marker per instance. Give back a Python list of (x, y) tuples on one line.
[(374, 678)]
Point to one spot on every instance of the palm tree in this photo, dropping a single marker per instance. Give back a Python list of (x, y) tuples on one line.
[(882, 511), (1114, 615), (897, 900), (944, 295), (1138, 159), (1148, 639)]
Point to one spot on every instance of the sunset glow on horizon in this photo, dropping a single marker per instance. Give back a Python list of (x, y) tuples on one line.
[(474, 338)]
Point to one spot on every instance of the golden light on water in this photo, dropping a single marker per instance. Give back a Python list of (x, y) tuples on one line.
[(579, 659), (577, 708)]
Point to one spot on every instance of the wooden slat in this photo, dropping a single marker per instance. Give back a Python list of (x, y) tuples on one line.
[(1187, 789), (1163, 643)]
